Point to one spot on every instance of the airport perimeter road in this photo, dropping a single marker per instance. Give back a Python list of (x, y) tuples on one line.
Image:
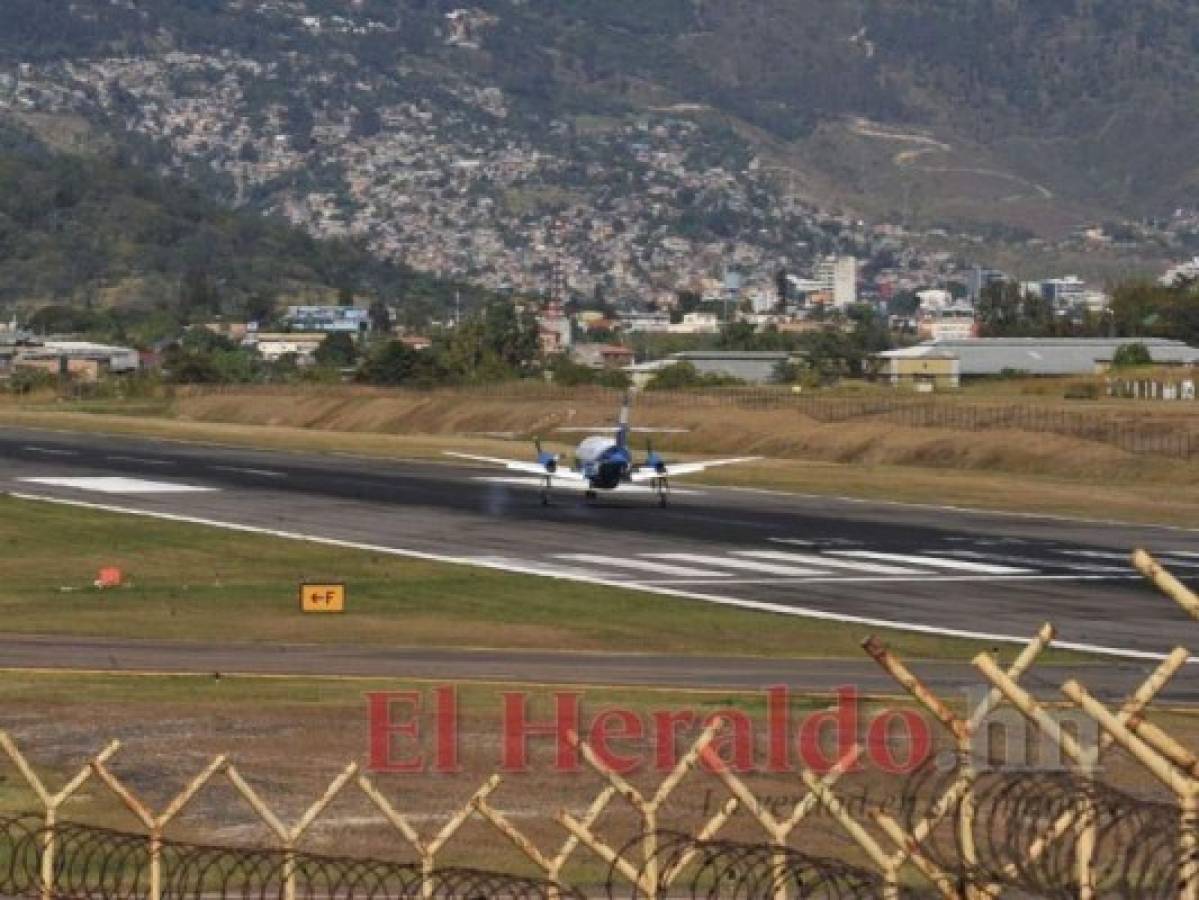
[(994, 575), (1109, 680)]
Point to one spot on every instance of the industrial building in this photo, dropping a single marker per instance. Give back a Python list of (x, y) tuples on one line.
[(751, 366), (82, 360), (981, 357)]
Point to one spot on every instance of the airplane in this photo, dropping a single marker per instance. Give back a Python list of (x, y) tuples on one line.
[(604, 462)]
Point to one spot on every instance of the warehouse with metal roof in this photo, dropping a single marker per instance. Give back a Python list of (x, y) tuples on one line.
[(979, 357)]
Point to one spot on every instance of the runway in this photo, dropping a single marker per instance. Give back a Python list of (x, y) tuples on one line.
[(989, 574)]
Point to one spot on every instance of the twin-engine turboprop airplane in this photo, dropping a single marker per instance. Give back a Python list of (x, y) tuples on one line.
[(604, 462)]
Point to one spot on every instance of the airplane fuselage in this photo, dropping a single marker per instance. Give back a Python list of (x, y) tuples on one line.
[(603, 462)]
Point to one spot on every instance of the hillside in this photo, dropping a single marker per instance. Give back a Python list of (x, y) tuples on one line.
[(636, 139), (99, 231)]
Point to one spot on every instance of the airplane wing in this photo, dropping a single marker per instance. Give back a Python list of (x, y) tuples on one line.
[(517, 465), (649, 473)]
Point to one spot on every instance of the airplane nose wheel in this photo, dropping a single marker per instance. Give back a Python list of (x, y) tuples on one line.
[(663, 493)]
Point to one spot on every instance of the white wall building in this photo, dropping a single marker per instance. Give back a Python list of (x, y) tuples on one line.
[(839, 276)]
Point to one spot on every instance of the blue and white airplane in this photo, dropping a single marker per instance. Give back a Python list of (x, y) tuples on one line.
[(604, 462)]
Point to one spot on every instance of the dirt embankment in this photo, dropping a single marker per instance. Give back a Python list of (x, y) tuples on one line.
[(714, 424)]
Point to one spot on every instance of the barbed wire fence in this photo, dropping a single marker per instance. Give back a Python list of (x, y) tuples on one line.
[(972, 828)]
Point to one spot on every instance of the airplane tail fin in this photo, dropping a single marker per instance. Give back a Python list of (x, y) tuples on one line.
[(622, 434)]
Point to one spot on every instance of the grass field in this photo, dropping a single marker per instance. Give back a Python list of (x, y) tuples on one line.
[(188, 582)]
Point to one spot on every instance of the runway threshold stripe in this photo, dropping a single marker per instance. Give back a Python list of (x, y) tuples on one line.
[(935, 562), (827, 562), (744, 565), (643, 565), (766, 606), (1085, 567)]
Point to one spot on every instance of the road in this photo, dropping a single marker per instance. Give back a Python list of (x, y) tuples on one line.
[(997, 576), (1110, 681)]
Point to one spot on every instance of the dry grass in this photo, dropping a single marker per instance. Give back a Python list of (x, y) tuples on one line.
[(290, 737)]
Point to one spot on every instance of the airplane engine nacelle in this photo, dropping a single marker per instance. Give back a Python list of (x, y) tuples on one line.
[(550, 462)]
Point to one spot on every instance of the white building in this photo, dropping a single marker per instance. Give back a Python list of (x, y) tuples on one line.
[(697, 323), (1069, 292), (1187, 271), (838, 275)]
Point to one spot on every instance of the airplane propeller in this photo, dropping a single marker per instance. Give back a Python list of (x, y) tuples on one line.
[(652, 459), (549, 460)]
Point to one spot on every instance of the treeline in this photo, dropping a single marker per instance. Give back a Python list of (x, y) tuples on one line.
[(1137, 309), (115, 250), (495, 343)]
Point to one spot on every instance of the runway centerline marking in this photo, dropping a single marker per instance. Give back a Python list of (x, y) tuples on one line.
[(935, 562), (50, 451), (802, 612), (116, 484), (644, 565)]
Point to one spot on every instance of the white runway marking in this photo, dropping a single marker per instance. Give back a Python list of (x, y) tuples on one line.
[(829, 563), (643, 564), (664, 591), (724, 562), (1092, 568), (119, 485), (48, 451), (1167, 559), (935, 562)]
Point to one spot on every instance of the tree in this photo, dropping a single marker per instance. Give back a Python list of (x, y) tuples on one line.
[(569, 373), (999, 308), (395, 363), (1131, 356), (337, 350), (380, 317), (785, 372)]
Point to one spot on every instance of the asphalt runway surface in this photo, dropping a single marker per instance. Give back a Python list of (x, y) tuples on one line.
[(993, 575)]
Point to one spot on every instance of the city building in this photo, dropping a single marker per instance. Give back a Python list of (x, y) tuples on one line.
[(273, 347), (696, 323), (752, 366), (950, 323), (554, 329), (1065, 293), (980, 279), (348, 319), (82, 360), (931, 370), (602, 356), (1187, 271), (838, 276)]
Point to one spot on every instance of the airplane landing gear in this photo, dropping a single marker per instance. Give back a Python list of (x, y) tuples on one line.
[(591, 496), (545, 493), (663, 492)]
